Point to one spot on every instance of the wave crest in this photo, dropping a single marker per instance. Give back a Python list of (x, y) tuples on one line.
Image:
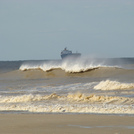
[(113, 85), (71, 66)]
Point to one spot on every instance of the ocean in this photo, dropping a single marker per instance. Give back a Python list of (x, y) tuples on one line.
[(83, 85)]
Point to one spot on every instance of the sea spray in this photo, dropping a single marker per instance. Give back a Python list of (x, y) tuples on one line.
[(68, 65)]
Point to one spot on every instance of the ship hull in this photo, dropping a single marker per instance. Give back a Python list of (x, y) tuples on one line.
[(73, 55)]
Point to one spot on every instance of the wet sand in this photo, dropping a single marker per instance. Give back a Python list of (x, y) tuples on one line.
[(66, 124)]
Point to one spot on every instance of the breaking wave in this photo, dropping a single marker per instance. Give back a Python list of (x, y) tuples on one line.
[(71, 66), (26, 98), (70, 97), (78, 103), (113, 85)]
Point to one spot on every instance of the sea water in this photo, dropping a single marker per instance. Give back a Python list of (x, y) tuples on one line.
[(83, 85)]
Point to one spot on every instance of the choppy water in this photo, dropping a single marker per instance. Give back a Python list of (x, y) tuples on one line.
[(82, 85)]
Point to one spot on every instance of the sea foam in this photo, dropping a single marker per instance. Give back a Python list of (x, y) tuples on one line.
[(71, 103), (113, 85), (68, 65)]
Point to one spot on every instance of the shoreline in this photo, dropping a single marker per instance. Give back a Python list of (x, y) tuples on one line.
[(66, 123), (62, 113)]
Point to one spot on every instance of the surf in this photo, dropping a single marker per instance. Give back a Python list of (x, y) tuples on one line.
[(113, 85), (68, 65), (71, 103)]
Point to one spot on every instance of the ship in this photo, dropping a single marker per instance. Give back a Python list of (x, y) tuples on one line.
[(68, 54)]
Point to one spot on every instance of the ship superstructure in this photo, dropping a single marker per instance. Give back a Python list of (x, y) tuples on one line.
[(67, 53)]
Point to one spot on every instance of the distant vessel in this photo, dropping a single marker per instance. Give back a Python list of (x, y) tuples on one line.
[(67, 53)]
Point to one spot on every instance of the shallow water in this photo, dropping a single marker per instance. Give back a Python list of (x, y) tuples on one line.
[(67, 86)]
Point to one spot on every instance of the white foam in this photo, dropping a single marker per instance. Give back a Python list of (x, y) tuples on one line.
[(26, 98), (113, 85), (77, 65), (69, 108), (74, 103)]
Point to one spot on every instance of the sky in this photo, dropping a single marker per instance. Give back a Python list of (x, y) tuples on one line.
[(40, 29)]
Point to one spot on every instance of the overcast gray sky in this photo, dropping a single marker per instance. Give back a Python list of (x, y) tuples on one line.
[(40, 29)]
